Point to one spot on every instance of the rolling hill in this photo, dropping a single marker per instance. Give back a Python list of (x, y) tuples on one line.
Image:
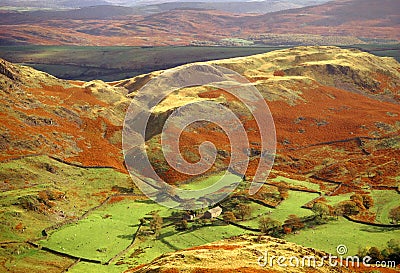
[(343, 17), (346, 86), (109, 25), (147, 6), (63, 177)]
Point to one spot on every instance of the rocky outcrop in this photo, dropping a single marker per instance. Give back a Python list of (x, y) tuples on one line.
[(8, 70)]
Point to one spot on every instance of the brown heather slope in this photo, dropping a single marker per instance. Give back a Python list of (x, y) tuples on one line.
[(346, 18), (76, 122), (328, 105), (360, 18), (332, 108)]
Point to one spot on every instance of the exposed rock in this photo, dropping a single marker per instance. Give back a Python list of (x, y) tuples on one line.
[(8, 70)]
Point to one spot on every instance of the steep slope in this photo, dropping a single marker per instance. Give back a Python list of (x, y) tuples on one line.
[(76, 122), (320, 98), (60, 156)]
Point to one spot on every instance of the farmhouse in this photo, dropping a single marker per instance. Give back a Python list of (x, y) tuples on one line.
[(213, 213), (189, 216)]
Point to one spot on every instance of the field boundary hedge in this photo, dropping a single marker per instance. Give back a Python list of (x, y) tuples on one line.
[(369, 223)]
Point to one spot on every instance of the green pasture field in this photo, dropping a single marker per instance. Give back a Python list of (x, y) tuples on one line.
[(171, 240), (105, 232), (28, 176), (292, 205), (384, 201), (355, 236), (297, 183), (206, 182), (334, 200)]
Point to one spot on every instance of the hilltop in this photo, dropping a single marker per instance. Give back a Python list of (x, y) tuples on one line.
[(238, 254), (76, 122), (319, 98)]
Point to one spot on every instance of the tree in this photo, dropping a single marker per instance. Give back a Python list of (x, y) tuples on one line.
[(321, 210), (375, 254), (392, 252), (283, 192), (229, 217), (181, 225), (368, 201), (156, 224), (243, 211), (358, 200), (349, 207), (338, 211), (394, 245), (269, 225), (294, 222), (394, 215)]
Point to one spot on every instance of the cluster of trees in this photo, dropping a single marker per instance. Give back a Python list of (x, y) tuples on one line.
[(181, 220), (322, 213), (241, 211), (42, 202), (356, 204), (154, 224), (293, 223), (390, 253), (270, 226)]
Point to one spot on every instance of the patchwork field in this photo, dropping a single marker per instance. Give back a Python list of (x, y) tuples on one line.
[(110, 229), (33, 184)]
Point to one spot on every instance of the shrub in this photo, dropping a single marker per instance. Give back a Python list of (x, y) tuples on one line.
[(394, 215), (181, 225), (243, 211), (156, 224), (229, 217), (279, 73), (294, 222), (269, 225)]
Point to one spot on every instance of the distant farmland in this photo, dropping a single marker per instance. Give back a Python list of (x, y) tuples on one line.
[(117, 63)]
